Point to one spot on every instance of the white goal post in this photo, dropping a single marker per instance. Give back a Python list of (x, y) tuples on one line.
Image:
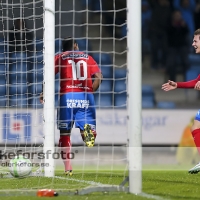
[(49, 84), (134, 89), (100, 31), (134, 66)]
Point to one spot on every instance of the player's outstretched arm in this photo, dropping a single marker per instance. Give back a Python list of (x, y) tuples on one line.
[(97, 81), (170, 85)]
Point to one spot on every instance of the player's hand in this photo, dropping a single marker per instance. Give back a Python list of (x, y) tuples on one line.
[(197, 86), (170, 85), (41, 98)]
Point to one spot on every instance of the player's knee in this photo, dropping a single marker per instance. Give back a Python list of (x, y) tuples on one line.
[(194, 128), (196, 125)]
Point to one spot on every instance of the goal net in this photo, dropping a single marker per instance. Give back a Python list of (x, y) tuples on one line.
[(99, 28), (21, 77)]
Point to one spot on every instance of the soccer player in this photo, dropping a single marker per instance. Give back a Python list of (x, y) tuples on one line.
[(171, 85), (80, 76)]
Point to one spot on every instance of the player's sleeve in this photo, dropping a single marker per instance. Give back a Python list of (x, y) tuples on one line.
[(188, 84), (57, 60), (94, 68)]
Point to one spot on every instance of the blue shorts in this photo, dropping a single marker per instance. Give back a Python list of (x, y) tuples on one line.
[(78, 107), (197, 117)]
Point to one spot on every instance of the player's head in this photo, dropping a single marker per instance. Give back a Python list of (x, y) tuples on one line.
[(69, 44), (196, 41), (19, 24)]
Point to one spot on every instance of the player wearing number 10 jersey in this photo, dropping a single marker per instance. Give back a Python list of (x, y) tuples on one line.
[(80, 76)]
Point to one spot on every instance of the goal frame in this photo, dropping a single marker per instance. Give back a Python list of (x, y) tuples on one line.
[(49, 85), (133, 94), (134, 60)]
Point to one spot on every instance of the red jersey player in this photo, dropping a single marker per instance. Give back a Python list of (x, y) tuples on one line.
[(77, 71), (171, 85)]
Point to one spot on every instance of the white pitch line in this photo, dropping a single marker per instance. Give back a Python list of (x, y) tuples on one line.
[(151, 196), (80, 181)]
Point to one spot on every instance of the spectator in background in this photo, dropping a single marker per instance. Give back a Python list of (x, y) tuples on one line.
[(146, 18), (20, 38), (161, 12), (197, 15), (187, 8), (177, 34)]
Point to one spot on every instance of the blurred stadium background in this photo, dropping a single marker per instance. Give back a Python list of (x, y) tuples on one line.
[(95, 36), (100, 29)]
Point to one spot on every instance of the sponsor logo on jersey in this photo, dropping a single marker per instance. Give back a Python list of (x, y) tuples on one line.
[(76, 86), (77, 103), (74, 56)]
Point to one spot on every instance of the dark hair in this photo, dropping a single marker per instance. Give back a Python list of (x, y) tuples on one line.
[(68, 44), (197, 32), (17, 22)]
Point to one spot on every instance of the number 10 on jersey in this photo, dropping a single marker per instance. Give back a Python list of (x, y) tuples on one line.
[(76, 69)]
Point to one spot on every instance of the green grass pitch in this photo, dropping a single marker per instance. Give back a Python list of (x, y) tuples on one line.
[(163, 184)]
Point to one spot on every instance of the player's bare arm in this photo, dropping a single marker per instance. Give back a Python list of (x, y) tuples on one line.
[(41, 98), (97, 81), (170, 85)]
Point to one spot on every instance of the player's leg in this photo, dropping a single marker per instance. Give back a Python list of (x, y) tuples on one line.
[(88, 134), (196, 133), (65, 124), (196, 136), (85, 120), (65, 144)]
